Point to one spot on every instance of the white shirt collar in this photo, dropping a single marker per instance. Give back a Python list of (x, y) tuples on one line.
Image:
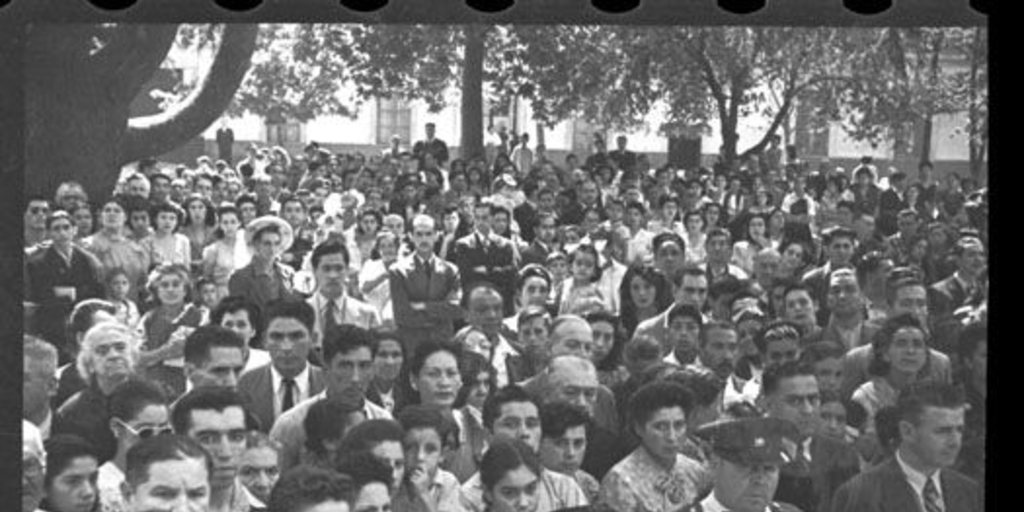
[(301, 386), (917, 479)]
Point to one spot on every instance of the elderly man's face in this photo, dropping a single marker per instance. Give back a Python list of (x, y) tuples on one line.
[(573, 338), (112, 357), (574, 384)]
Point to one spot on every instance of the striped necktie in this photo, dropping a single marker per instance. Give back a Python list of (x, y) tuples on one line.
[(931, 497)]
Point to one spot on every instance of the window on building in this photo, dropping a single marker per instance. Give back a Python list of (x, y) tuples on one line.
[(282, 134), (394, 117)]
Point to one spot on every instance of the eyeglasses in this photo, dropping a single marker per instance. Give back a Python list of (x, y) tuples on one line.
[(147, 432)]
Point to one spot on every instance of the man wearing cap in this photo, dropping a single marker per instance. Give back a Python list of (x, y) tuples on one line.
[(265, 279), (747, 455), (820, 464)]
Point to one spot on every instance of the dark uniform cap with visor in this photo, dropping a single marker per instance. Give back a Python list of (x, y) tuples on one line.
[(750, 441)]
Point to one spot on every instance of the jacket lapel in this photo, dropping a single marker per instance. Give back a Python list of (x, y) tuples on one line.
[(897, 494)]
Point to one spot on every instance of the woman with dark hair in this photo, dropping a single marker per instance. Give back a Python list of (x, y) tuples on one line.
[(510, 474), (166, 244), (83, 216), (755, 238), (114, 249), (363, 237), (695, 225), (796, 259), (72, 467), (656, 477), (608, 346), (644, 294), (228, 252), (326, 424), (199, 225), (478, 382), (388, 363), (763, 202), (776, 226), (900, 358)]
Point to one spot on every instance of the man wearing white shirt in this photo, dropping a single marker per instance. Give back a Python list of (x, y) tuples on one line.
[(485, 308), (289, 378), (348, 359), (919, 476), (40, 384)]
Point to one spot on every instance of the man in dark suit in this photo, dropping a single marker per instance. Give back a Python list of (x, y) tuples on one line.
[(59, 275), (625, 158), (434, 146), (891, 202), (484, 256), (839, 243), (289, 378), (846, 325), (821, 464), (265, 279), (544, 243), (919, 476), (425, 290), (944, 297)]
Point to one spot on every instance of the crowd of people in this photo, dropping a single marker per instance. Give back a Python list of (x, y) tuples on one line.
[(404, 331)]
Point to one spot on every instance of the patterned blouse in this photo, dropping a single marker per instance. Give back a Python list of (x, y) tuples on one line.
[(639, 484)]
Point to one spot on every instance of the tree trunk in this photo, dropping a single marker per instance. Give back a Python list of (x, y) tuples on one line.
[(472, 92), (77, 102), (540, 134)]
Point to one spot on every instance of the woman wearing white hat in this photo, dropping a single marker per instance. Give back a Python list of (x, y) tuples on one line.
[(265, 279)]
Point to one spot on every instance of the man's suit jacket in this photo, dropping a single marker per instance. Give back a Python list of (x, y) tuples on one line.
[(884, 488), (245, 282), (526, 216), (441, 291), (856, 361), (831, 333), (832, 464), (945, 296), (45, 270), (257, 389), (535, 253), (356, 312), (497, 259)]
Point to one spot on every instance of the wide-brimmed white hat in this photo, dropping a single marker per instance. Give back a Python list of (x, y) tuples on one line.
[(287, 235)]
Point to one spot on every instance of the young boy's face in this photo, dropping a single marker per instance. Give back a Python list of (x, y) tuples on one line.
[(423, 448), (208, 293), (833, 420), (829, 373)]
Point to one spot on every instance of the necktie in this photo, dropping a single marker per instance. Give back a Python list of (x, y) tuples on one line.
[(931, 497), (426, 268), (289, 395), (330, 318), (803, 466)]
